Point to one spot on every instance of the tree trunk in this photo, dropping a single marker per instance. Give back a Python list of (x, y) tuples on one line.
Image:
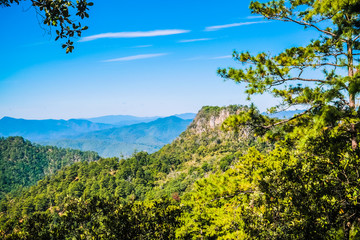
[(354, 142), (352, 103), (347, 228)]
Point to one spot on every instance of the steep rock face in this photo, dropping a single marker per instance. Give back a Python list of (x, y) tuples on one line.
[(202, 124), (218, 120), (209, 119)]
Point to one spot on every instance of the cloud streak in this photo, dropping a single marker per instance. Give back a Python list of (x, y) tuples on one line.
[(155, 33), (254, 17), (218, 27), (222, 57), (135, 57), (143, 46), (194, 40)]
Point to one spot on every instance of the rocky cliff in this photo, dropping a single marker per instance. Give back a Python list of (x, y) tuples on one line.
[(202, 149), (210, 119)]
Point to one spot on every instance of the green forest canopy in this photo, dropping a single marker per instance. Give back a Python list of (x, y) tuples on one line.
[(300, 180)]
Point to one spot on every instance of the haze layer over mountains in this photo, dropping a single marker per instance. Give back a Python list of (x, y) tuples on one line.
[(108, 135)]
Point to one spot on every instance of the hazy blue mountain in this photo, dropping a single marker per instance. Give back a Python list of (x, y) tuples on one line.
[(284, 114), (186, 115), (124, 120), (125, 140), (124, 135), (39, 130), (121, 120)]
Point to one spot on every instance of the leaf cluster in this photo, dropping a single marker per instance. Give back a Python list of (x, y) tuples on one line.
[(59, 14)]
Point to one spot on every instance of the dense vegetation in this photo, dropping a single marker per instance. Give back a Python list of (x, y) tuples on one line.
[(100, 219), (313, 191), (199, 151), (298, 179), (22, 163)]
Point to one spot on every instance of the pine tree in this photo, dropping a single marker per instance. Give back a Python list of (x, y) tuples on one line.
[(316, 194), (330, 94)]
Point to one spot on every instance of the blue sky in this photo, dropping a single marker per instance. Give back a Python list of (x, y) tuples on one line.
[(140, 58)]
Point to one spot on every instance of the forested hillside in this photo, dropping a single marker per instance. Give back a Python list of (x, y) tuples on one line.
[(23, 163), (201, 150)]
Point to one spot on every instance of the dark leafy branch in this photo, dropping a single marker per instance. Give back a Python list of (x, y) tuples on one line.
[(59, 14)]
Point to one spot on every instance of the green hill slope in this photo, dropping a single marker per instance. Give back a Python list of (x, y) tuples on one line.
[(22, 163), (201, 150)]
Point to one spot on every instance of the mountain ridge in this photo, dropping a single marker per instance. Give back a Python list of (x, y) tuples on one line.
[(124, 140), (37, 130), (122, 120)]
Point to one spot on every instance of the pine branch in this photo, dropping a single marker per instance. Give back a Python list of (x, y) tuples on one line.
[(323, 64), (288, 19), (277, 82), (356, 38), (287, 120)]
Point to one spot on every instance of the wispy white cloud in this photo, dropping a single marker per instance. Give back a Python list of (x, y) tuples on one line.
[(142, 46), (135, 57), (194, 40), (154, 33), (222, 57), (254, 17), (218, 27)]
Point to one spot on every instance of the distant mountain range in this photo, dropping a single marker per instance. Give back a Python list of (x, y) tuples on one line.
[(125, 140), (108, 135), (40, 130), (123, 120)]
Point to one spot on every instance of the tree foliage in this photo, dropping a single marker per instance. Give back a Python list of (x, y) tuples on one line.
[(322, 76), (22, 163), (216, 206), (97, 218), (60, 15), (314, 192)]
